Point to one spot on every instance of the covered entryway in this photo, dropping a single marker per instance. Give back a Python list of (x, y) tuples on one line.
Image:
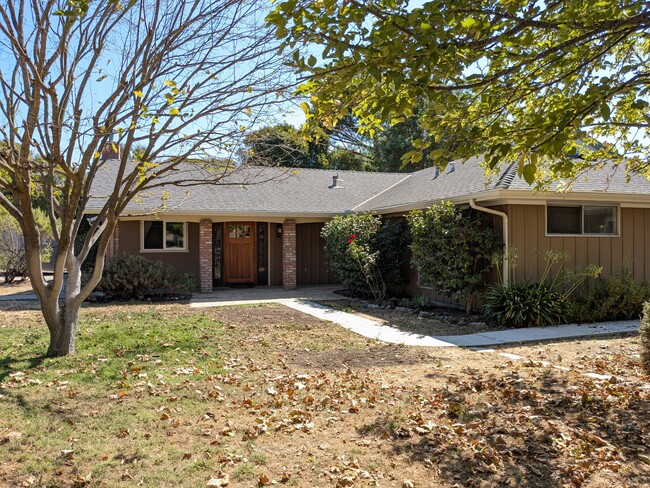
[(239, 253)]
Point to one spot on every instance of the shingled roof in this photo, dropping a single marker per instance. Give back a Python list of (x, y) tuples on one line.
[(258, 190), (309, 192)]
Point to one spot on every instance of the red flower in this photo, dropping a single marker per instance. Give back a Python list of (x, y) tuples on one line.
[(352, 238)]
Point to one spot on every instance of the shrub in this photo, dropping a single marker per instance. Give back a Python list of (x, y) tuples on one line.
[(365, 252), (645, 338), (524, 304), (540, 304), (453, 250), (392, 241), (12, 244), (367, 260), (616, 297), (417, 301), (131, 276)]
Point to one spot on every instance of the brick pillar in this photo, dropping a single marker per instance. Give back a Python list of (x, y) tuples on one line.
[(289, 265), (205, 255)]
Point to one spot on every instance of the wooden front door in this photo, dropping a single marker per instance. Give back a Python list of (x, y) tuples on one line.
[(239, 252)]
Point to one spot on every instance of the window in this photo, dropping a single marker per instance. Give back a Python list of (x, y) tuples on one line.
[(582, 220), (262, 254), (239, 231), (159, 235), (217, 253)]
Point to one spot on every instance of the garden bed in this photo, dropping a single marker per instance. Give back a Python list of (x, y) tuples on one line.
[(430, 321)]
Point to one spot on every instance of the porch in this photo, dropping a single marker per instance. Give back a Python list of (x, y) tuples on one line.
[(271, 294)]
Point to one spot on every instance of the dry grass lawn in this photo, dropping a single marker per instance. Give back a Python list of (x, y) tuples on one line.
[(164, 395), (16, 287)]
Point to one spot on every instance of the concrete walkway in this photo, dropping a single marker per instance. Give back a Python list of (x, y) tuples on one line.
[(302, 299)]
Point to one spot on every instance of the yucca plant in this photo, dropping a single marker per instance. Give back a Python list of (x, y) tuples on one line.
[(541, 304), (525, 304)]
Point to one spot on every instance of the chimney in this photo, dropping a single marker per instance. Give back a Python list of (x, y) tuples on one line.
[(336, 183), (111, 150)]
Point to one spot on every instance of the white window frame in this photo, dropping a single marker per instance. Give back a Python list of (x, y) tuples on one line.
[(616, 233), (164, 241), (419, 283)]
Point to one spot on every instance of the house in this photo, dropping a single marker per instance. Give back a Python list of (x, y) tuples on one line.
[(268, 233)]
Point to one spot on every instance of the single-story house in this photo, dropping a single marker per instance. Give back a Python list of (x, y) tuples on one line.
[(268, 233)]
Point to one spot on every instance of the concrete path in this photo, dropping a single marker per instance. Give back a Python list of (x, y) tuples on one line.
[(534, 334), (365, 327), (385, 333), (302, 299)]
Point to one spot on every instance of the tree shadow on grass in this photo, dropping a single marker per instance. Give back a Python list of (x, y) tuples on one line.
[(531, 432), (27, 363)]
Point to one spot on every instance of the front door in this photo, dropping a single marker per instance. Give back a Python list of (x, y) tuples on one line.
[(239, 252)]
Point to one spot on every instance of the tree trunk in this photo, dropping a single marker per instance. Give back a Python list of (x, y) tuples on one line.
[(471, 300), (63, 336), (62, 320)]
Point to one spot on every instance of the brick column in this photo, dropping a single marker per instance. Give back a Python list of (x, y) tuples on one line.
[(205, 255), (289, 265)]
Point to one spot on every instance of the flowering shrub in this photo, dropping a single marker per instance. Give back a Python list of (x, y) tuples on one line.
[(367, 261), (366, 253)]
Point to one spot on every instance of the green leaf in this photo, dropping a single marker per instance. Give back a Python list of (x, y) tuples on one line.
[(468, 22), (605, 111), (529, 172)]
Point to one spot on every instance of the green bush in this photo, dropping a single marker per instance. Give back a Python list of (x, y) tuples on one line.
[(392, 241), (525, 304), (366, 253), (130, 276), (645, 338), (616, 297), (452, 249), (528, 304), (417, 301)]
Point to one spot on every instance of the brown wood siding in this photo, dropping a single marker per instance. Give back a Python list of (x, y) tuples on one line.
[(630, 248), (183, 262), (310, 256), (412, 289), (276, 256)]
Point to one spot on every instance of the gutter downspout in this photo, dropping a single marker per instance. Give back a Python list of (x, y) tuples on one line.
[(504, 217)]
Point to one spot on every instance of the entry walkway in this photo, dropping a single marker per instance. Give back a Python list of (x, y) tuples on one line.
[(222, 297), (302, 299)]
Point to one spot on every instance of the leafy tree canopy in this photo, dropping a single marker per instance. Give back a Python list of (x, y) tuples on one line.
[(537, 83), (284, 145)]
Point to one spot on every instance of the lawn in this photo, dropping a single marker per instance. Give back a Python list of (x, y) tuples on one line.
[(165, 395)]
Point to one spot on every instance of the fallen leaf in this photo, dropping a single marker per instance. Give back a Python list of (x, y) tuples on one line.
[(222, 480)]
